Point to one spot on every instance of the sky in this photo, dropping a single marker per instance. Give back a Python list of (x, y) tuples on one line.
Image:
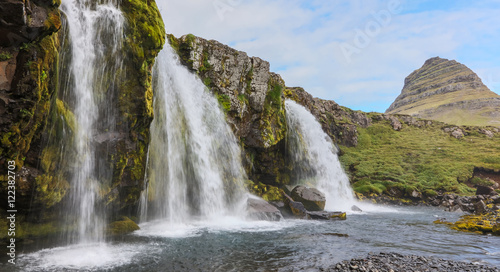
[(355, 52)]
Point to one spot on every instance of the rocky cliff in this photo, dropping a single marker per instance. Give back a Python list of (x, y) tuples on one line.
[(395, 155), (448, 91), (252, 98), (37, 123)]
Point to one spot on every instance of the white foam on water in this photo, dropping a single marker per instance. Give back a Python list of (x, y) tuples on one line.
[(82, 257)]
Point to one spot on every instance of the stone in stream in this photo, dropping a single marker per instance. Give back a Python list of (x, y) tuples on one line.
[(323, 215), (297, 208), (261, 210), (312, 198), (355, 208)]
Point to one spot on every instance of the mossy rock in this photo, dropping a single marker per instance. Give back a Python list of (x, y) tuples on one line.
[(482, 224), (122, 227)]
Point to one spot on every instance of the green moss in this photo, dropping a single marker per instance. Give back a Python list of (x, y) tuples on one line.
[(190, 39), (50, 189), (205, 65), (267, 192), (482, 224), (224, 102), (5, 56), (122, 227), (273, 119), (174, 42)]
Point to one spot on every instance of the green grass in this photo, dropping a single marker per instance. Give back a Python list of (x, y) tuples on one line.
[(5, 56), (424, 159)]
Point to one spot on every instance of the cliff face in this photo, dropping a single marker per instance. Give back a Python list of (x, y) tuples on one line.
[(36, 117), (447, 91), (252, 98), (29, 47), (395, 155)]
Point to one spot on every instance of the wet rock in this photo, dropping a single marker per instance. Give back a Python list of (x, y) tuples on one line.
[(355, 208), (323, 215), (312, 198), (297, 209), (122, 227), (259, 209)]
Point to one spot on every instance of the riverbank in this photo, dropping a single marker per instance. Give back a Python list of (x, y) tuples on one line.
[(397, 262)]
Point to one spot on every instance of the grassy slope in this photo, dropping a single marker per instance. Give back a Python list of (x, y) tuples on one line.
[(426, 159)]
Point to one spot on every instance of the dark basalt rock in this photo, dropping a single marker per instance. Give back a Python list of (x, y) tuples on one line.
[(297, 209), (323, 215), (312, 198)]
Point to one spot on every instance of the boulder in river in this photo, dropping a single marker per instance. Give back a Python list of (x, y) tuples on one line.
[(323, 215), (312, 198), (297, 208), (261, 210)]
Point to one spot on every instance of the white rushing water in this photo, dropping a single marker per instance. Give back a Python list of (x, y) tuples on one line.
[(315, 159), (194, 165), (95, 33)]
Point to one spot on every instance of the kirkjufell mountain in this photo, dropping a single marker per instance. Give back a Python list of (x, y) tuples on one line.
[(447, 91)]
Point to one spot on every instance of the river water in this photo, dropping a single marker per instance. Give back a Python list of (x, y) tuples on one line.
[(231, 244)]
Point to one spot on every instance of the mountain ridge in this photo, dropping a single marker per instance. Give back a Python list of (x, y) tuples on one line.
[(448, 91)]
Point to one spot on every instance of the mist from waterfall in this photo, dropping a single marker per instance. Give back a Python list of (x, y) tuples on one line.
[(314, 158), (194, 166)]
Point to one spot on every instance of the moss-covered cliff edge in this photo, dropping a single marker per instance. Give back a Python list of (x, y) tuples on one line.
[(37, 119), (397, 156)]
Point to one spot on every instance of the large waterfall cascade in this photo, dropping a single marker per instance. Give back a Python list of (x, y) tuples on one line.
[(194, 165), (95, 37), (315, 159)]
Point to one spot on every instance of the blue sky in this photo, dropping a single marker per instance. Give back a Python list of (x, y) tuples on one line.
[(355, 52)]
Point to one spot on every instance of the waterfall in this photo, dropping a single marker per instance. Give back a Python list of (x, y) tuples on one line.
[(314, 158), (95, 39), (194, 165)]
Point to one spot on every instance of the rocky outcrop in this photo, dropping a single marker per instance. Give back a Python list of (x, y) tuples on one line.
[(340, 123), (252, 98), (29, 45), (447, 91), (36, 117)]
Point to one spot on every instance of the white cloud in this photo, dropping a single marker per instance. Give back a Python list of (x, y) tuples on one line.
[(301, 39)]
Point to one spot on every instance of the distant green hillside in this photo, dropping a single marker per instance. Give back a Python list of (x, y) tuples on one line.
[(448, 91), (423, 156)]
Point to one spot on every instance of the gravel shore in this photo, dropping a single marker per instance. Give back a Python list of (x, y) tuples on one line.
[(396, 262)]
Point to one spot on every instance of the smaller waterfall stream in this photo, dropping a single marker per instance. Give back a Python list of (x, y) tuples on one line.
[(194, 163), (95, 33), (315, 159)]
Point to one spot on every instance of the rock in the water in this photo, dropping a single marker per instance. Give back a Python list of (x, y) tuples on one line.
[(261, 210), (312, 198), (323, 215), (355, 208), (122, 227), (297, 208)]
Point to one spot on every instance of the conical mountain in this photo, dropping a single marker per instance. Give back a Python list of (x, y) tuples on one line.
[(448, 91)]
